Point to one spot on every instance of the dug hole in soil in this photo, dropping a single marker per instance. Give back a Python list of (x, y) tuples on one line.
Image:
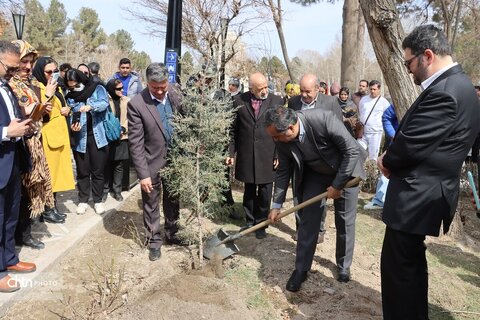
[(108, 276)]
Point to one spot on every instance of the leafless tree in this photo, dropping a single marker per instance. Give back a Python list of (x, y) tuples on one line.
[(209, 27), (276, 11)]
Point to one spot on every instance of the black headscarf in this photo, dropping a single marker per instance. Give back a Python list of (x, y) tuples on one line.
[(116, 99), (80, 77), (39, 74)]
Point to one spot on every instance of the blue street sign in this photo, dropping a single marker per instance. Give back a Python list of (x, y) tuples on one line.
[(171, 78), (171, 67), (171, 57)]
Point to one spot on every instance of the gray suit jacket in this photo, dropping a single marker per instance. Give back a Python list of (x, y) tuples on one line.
[(324, 102), (146, 135), (333, 143)]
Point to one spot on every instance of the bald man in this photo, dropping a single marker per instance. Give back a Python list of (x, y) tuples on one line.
[(254, 150), (310, 97)]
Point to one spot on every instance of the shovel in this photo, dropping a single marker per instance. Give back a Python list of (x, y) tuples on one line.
[(221, 245)]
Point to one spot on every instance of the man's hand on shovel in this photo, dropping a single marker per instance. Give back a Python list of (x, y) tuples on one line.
[(273, 215)]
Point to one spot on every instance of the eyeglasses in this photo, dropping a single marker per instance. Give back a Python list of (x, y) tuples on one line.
[(119, 89), (9, 69), (51, 71), (407, 63)]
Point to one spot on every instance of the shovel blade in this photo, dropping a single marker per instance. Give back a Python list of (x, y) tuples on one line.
[(211, 249)]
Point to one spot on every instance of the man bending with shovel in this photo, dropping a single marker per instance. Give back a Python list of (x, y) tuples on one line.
[(316, 148)]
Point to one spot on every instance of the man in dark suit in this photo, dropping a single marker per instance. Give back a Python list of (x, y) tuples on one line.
[(423, 164), (13, 161), (309, 98), (150, 132), (315, 147), (255, 150)]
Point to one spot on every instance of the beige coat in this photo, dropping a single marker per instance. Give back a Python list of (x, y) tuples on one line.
[(123, 114)]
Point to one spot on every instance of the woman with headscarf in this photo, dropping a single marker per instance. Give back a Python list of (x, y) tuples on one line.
[(89, 102), (118, 149), (37, 197), (349, 109), (55, 135)]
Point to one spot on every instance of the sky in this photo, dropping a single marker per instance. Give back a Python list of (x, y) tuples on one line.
[(315, 27)]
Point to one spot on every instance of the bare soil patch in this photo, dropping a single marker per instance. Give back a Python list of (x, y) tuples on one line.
[(108, 276)]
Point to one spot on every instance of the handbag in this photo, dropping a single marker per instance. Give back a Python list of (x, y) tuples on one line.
[(112, 126), (360, 127)]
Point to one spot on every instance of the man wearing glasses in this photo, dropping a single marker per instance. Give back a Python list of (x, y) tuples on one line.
[(423, 164), (13, 160)]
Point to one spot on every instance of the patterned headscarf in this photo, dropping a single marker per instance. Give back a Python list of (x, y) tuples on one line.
[(25, 48)]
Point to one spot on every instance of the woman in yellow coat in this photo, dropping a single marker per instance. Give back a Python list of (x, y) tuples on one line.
[(55, 135)]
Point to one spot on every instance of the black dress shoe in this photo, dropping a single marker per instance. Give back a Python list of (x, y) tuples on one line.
[(260, 234), (343, 275), (235, 215), (118, 196), (295, 281), (154, 254), (33, 243), (50, 216), (63, 215)]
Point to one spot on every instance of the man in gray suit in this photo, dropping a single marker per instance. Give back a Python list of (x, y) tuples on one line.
[(310, 97), (316, 148), (150, 131)]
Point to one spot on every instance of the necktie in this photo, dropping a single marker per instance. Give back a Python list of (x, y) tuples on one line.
[(166, 114)]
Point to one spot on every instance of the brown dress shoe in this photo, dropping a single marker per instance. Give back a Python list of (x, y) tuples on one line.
[(8, 284), (22, 267)]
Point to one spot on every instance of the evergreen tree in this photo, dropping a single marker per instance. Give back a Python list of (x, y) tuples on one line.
[(123, 39), (87, 31), (196, 169)]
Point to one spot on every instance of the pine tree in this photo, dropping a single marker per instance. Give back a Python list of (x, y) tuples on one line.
[(196, 169)]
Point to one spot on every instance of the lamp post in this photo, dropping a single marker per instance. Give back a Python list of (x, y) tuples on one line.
[(173, 40), (18, 22)]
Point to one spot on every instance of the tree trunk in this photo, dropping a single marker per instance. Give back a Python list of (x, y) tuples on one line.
[(386, 34), (359, 54), (349, 44), (199, 207), (277, 18)]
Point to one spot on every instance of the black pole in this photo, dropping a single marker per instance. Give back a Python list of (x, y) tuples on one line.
[(173, 41)]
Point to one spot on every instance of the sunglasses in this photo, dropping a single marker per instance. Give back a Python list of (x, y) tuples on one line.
[(9, 69), (51, 71), (119, 89)]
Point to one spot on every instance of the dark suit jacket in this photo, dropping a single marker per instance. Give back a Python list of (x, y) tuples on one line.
[(146, 135), (333, 143), (8, 148), (426, 155), (255, 149), (323, 101)]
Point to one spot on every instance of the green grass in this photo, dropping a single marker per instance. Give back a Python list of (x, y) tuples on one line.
[(248, 278)]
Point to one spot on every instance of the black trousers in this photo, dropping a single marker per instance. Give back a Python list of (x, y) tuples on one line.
[(90, 171), (151, 213), (227, 192), (256, 202), (404, 276), (113, 176), (9, 208), (24, 224)]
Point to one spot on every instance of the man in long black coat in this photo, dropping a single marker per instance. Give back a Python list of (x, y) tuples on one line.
[(254, 149), (423, 164)]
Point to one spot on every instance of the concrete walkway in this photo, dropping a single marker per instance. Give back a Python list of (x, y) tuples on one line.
[(58, 239)]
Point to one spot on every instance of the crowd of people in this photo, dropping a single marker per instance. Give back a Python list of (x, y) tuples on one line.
[(316, 138)]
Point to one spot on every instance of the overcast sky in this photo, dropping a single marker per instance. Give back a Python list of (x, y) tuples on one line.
[(306, 28)]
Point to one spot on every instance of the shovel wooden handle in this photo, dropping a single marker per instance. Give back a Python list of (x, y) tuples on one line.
[(302, 205)]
